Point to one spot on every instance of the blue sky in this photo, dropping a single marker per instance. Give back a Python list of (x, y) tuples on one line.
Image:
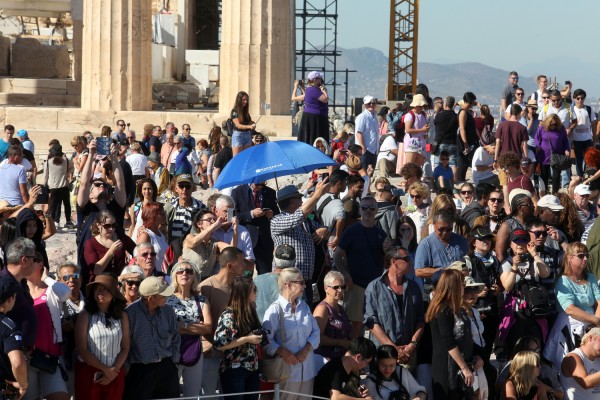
[(553, 37)]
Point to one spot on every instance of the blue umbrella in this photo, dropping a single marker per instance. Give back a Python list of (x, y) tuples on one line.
[(270, 160)]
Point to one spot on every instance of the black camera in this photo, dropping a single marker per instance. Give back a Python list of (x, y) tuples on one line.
[(263, 333)]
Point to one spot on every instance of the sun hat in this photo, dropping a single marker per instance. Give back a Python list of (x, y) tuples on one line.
[(353, 162), (110, 283), (287, 192), (418, 101), (481, 232)]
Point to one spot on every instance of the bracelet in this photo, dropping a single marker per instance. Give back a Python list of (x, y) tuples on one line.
[(514, 271), (415, 343)]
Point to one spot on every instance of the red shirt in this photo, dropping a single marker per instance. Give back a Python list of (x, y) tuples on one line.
[(520, 182), (94, 251)]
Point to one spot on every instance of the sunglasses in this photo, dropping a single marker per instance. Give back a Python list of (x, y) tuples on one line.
[(187, 271), (100, 184), (145, 255), (337, 287), (109, 226), (539, 233), (466, 192), (519, 94), (445, 230), (365, 208), (581, 256), (403, 258), (545, 97), (129, 137), (556, 100), (415, 196), (496, 200), (185, 186), (371, 104), (68, 277), (187, 129), (521, 241), (133, 283), (120, 125)]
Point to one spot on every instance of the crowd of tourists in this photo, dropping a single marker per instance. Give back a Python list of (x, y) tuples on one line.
[(441, 287)]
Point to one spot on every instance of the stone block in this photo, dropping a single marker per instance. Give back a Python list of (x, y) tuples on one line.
[(33, 117), (4, 56), (29, 61), (176, 93)]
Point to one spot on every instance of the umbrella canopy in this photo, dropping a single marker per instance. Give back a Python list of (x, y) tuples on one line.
[(270, 160)]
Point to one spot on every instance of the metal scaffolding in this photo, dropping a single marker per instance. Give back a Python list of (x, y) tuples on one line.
[(316, 46), (404, 35)]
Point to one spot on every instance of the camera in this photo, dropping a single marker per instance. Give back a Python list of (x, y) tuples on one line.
[(263, 333)]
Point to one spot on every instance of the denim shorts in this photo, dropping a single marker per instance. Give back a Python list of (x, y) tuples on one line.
[(452, 149), (241, 139)]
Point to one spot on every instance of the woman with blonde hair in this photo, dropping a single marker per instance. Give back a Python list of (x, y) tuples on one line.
[(419, 210), (193, 320), (551, 138), (444, 202), (522, 383), (452, 339)]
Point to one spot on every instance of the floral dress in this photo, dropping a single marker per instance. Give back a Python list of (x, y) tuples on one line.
[(245, 356)]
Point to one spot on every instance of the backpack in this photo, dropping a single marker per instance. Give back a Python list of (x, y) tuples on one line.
[(319, 211), (230, 126), (399, 129), (537, 301)]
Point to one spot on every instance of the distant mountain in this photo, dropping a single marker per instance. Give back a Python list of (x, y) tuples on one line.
[(443, 80)]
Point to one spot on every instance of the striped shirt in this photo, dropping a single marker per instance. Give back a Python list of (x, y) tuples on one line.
[(104, 338), (182, 217)]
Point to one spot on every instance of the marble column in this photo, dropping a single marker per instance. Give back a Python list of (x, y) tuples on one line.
[(256, 41), (116, 55)]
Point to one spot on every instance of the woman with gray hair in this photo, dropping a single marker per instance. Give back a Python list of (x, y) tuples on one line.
[(194, 320), (130, 279), (332, 319), (301, 336)]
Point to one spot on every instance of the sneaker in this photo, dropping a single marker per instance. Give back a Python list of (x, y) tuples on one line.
[(69, 225)]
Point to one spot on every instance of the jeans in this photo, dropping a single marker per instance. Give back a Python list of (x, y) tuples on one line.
[(239, 380), (580, 147)]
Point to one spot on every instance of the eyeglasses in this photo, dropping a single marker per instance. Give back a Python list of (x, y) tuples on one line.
[(109, 226), (496, 200), (211, 220), (516, 78), (539, 233), (100, 184), (465, 192), (371, 208), (133, 283), (187, 271), (298, 282), (185, 186), (581, 256), (149, 254), (403, 258), (415, 196), (68, 277), (337, 287)]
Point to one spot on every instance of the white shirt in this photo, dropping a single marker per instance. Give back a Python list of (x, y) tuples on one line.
[(138, 163), (583, 130), (522, 119), (389, 143), (367, 125), (25, 163), (244, 240), (482, 157), (563, 113)]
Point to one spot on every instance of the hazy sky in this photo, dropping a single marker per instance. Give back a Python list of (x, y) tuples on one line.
[(553, 37)]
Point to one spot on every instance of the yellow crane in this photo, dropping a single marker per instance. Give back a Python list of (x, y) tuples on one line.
[(404, 36)]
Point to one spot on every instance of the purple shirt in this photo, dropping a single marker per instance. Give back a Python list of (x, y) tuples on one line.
[(312, 105), (558, 139)]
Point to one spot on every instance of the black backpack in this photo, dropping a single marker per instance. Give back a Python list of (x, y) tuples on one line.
[(536, 299), (230, 126), (318, 213)]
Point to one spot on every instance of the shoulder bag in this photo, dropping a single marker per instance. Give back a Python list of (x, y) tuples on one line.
[(275, 369), (191, 345), (560, 161)]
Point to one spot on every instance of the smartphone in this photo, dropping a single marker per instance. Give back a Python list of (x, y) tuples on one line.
[(266, 209), (98, 376), (230, 214), (103, 146), (325, 175), (43, 196)]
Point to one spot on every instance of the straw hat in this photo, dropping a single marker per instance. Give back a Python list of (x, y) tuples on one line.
[(418, 101)]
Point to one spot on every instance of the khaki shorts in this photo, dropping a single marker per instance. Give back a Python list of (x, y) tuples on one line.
[(356, 304)]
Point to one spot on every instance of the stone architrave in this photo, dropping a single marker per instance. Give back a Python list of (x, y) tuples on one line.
[(255, 56), (116, 55)]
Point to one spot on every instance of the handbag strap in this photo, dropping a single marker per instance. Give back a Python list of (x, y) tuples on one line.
[(281, 324), (550, 143)]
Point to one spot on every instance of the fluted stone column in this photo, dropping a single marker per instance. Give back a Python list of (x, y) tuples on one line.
[(255, 55), (116, 55)]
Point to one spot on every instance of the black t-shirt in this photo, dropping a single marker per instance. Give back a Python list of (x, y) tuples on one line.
[(129, 183), (223, 157), (28, 155), (23, 313), (332, 376), (446, 127), (12, 339), (155, 141)]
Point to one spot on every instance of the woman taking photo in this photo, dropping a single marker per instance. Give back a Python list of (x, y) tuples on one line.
[(315, 121), (102, 340), (551, 138), (332, 319), (200, 248), (146, 191), (241, 137), (389, 377), (153, 219), (302, 334), (238, 335), (49, 297), (193, 315), (452, 339), (105, 251)]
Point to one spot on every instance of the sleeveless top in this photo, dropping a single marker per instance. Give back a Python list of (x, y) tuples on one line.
[(104, 338), (45, 337), (338, 327), (573, 390)]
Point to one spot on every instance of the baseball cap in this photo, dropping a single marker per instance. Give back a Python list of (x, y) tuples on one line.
[(582, 190), (525, 161), (8, 287), (470, 282), (285, 256), (184, 178), (368, 99), (22, 133), (314, 75), (154, 285), (519, 234), (550, 201)]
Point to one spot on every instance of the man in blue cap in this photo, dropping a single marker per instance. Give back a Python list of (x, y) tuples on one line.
[(23, 136)]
